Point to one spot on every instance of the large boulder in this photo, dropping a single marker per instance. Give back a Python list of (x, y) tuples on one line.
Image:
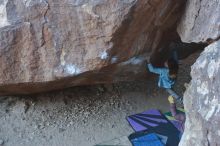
[(48, 44), (202, 100), (201, 23)]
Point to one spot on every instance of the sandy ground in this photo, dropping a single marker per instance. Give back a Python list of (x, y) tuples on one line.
[(81, 116)]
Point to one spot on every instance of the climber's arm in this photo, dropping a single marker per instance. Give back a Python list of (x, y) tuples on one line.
[(155, 69)]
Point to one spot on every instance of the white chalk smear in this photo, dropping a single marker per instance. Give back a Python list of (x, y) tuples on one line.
[(134, 61), (104, 55), (114, 59), (72, 69), (89, 10)]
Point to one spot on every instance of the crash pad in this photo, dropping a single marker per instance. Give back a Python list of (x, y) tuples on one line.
[(152, 121), (178, 124), (147, 140)]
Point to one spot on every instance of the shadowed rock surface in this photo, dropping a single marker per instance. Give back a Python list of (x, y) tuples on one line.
[(49, 44)]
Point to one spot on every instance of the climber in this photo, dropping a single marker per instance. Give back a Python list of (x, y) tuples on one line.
[(167, 76), (178, 116)]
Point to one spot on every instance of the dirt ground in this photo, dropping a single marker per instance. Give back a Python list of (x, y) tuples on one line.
[(81, 116)]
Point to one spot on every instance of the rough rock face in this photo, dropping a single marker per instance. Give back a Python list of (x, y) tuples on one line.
[(50, 44), (201, 23), (202, 100)]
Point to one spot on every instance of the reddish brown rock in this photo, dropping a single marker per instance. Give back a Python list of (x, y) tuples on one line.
[(46, 45)]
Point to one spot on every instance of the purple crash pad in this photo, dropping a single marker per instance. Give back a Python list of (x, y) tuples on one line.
[(146, 119), (152, 121)]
